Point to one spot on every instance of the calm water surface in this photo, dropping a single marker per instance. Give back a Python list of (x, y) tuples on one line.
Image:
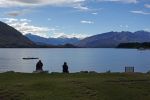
[(99, 60)]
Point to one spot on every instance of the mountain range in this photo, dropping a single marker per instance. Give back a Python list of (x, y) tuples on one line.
[(52, 41), (104, 40), (113, 39), (12, 38)]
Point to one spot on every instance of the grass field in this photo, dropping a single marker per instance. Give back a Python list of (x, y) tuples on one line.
[(19, 86)]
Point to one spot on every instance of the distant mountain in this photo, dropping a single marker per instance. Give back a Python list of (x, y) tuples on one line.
[(113, 39), (52, 41), (11, 38)]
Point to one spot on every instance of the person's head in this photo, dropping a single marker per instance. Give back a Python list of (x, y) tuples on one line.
[(39, 60), (65, 63)]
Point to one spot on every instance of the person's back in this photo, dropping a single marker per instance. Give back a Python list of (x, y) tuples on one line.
[(39, 65), (65, 68)]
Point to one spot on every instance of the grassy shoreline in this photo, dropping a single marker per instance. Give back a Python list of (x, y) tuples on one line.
[(75, 86)]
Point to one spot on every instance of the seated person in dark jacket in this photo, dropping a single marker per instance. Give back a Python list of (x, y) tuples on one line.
[(65, 68), (39, 65)]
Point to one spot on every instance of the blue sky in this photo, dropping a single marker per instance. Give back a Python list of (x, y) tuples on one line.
[(75, 18)]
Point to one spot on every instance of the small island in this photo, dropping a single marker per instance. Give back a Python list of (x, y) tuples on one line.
[(136, 45)]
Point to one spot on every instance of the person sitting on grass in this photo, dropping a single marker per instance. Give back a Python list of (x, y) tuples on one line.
[(39, 66), (65, 68)]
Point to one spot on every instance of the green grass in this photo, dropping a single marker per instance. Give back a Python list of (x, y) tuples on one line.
[(19, 86)]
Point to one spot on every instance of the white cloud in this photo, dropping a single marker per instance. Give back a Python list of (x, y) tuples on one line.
[(25, 20), (74, 3), (124, 1), (81, 8), (31, 3), (140, 12), (86, 22), (123, 26), (95, 13), (24, 26), (147, 5)]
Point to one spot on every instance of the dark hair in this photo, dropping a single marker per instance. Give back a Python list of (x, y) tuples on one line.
[(65, 63)]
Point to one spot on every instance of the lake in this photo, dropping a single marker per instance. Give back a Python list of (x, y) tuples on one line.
[(78, 59)]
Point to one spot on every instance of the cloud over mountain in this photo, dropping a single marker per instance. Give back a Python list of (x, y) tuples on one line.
[(24, 26)]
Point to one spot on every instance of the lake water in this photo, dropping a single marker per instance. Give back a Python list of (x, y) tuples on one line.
[(82, 59)]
